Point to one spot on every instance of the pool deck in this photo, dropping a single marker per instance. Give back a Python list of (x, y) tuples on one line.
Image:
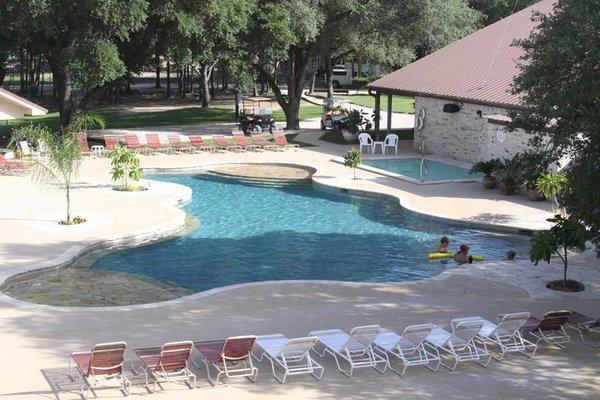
[(36, 339)]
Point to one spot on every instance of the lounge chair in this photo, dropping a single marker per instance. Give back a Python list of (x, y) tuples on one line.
[(177, 145), (410, 348), (260, 141), (551, 329), (102, 367), (584, 324), (9, 167), (281, 141), (231, 357), (240, 140), (133, 142), (155, 144), (460, 345), (223, 144), (504, 335), (290, 355), (83, 143), (168, 363), (200, 144), (110, 141), (26, 151), (356, 348)]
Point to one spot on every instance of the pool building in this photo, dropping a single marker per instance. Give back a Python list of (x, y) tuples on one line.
[(463, 91)]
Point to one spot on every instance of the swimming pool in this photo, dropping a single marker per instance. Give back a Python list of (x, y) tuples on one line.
[(411, 168), (261, 230)]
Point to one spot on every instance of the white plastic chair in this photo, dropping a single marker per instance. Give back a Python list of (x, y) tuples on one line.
[(290, 355), (356, 348), (505, 334), (364, 139), (391, 140), (410, 348)]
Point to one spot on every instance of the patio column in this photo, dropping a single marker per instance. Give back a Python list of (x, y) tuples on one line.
[(377, 114), (389, 114)]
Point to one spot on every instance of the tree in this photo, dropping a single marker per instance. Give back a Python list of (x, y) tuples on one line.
[(125, 167), (565, 235), (494, 10), (78, 40), (61, 153), (559, 85), (352, 159)]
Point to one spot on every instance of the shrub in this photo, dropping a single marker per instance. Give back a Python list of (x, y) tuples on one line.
[(352, 159), (125, 166), (359, 81)]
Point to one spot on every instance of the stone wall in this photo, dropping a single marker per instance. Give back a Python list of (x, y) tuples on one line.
[(465, 135)]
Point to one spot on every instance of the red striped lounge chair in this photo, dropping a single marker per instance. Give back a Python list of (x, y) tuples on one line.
[(176, 144), (260, 141), (230, 357), (550, 329), (155, 144), (9, 167), (222, 143), (199, 143), (281, 141), (102, 367), (83, 143), (240, 140), (133, 142), (584, 324), (168, 363), (110, 141)]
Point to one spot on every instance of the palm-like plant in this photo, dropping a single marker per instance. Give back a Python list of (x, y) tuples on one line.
[(59, 163), (551, 184)]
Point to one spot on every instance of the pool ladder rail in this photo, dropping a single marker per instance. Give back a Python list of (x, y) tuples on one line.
[(423, 170)]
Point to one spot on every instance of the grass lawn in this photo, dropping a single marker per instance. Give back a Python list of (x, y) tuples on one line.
[(337, 138), (400, 104), (116, 118)]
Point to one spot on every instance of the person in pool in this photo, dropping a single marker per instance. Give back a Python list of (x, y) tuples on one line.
[(510, 255), (462, 255), (443, 247)]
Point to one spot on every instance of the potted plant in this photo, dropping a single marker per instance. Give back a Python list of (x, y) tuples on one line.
[(566, 234), (533, 165), (550, 185), (355, 121), (532, 192), (487, 168), (508, 171), (352, 159)]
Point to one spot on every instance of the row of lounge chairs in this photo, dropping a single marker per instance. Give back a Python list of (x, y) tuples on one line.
[(197, 143), (466, 339)]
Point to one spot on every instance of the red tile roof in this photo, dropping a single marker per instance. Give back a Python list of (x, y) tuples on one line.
[(478, 68)]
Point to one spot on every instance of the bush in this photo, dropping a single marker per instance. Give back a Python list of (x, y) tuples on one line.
[(360, 81)]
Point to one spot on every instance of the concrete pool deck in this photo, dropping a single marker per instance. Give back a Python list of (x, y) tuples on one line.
[(37, 339)]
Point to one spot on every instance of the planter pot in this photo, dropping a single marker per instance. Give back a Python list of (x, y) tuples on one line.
[(349, 137), (489, 182), (534, 195), (507, 188)]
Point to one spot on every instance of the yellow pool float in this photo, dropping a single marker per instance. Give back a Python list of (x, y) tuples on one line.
[(436, 256)]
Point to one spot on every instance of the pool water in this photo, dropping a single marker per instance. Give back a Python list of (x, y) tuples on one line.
[(411, 167), (258, 231)]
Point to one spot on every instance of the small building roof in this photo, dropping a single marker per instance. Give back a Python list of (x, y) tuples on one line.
[(478, 68), (32, 108)]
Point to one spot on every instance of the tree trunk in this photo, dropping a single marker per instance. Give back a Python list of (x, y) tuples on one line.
[(313, 75), (168, 79), (329, 74), (157, 65), (68, 193), (565, 270), (206, 73), (62, 84), (2, 72)]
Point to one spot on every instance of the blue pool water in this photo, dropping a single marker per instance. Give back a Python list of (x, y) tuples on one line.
[(411, 167), (257, 231)]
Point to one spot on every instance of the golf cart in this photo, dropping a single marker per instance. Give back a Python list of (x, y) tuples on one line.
[(256, 115), (335, 113)]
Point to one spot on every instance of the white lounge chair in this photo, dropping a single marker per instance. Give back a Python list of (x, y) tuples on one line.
[(26, 151), (391, 140), (410, 348), (290, 355), (460, 344), (364, 139), (505, 334), (356, 349)]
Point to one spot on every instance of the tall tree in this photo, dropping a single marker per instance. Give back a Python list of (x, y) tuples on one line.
[(494, 10), (78, 39), (560, 89)]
